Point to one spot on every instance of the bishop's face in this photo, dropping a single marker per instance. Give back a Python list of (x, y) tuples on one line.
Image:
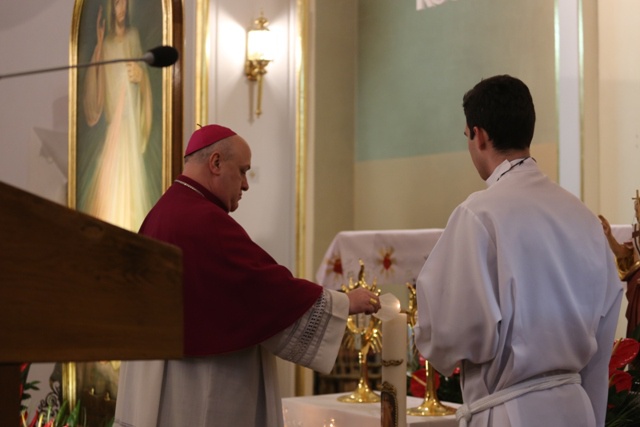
[(233, 174)]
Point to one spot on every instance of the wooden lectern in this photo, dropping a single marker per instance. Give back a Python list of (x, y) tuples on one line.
[(74, 288)]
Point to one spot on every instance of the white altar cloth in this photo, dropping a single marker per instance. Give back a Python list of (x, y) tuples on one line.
[(389, 256), (325, 410), (393, 257)]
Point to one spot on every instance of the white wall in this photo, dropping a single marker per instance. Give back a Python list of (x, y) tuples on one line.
[(34, 35), (268, 209)]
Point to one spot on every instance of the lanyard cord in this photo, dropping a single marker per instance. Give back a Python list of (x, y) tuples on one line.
[(512, 166)]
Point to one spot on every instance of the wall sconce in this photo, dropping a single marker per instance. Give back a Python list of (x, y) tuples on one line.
[(259, 54)]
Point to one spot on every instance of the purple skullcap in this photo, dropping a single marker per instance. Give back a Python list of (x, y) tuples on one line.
[(206, 136)]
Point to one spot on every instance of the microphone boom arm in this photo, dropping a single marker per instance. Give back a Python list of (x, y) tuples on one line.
[(70, 67), (160, 56)]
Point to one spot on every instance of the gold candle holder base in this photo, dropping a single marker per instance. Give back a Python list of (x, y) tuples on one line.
[(431, 406), (362, 394)]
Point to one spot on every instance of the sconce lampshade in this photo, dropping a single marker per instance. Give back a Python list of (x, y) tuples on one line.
[(260, 42)]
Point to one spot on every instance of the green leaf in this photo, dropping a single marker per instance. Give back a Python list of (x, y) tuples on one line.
[(73, 417), (62, 414)]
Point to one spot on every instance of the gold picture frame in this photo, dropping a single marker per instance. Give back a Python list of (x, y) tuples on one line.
[(125, 133)]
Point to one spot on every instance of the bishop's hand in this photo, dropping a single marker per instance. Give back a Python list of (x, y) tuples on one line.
[(362, 300)]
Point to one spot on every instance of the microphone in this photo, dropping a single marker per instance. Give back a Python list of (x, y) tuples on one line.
[(160, 56)]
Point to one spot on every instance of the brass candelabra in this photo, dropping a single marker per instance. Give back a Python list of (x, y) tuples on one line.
[(431, 405)]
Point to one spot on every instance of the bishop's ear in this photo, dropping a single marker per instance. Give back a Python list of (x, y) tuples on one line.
[(214, 162)]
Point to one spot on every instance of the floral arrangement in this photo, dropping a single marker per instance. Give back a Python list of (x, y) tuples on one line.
[(623, 404), (64, 418)]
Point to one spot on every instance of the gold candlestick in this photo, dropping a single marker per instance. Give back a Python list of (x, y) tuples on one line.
[(363, 334), (431, 405)]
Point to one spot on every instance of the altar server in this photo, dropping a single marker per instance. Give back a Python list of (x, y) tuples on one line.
[(240, 307), (521, 290)]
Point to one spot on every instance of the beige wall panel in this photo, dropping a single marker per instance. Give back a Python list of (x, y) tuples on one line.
[(333, 131), (619, 36), (421, 192)]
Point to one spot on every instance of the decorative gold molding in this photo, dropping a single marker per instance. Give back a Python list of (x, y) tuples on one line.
[(69, 369), (302, 73), (167, 98), (202, 63), (69, 383), (73, 59)]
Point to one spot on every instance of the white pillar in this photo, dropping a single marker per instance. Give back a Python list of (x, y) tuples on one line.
[(568, 43)]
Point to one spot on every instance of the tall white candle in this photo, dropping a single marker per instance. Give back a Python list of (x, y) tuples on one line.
[(394, 371)]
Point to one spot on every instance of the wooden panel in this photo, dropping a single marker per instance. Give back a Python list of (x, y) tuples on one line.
[(9, 395), (74, 288)]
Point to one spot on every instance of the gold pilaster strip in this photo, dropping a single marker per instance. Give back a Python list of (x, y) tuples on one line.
[(202, 63), (73, 79), (302, 73)]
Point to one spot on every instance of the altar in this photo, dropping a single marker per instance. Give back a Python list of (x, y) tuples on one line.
[(392, 259), (326, 411)]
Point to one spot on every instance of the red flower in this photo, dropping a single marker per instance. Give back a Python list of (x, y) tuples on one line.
[(624, 351), (621, 380)]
